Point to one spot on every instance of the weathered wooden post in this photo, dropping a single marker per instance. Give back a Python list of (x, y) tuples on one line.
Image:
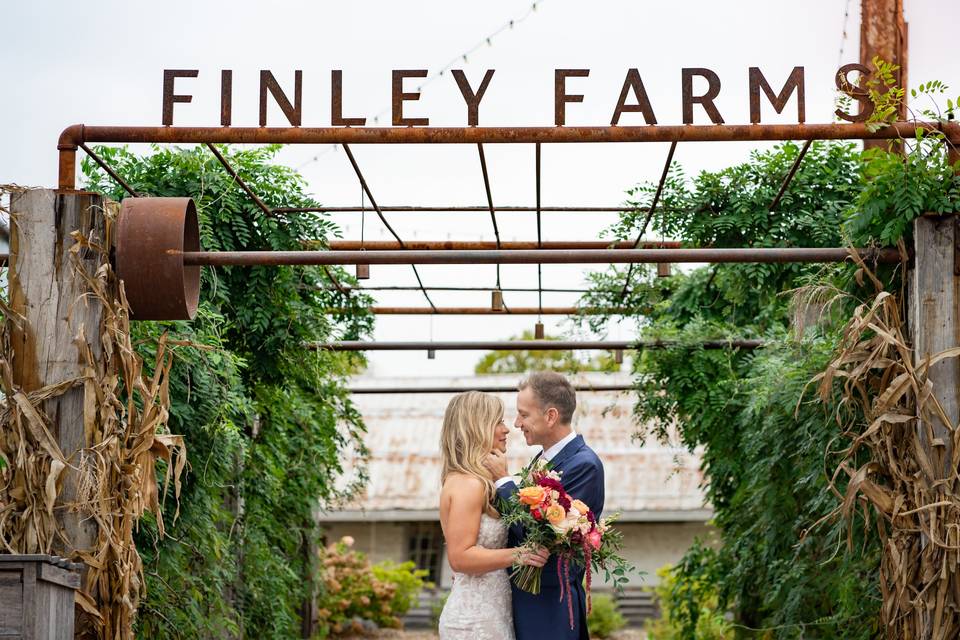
[(36, 597), (933, 318), (934, 323), (48, 296)]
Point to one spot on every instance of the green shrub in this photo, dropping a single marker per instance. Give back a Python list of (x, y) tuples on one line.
[(353, 592), (688, 609), (604, 617), (407, 581), (437, 609)]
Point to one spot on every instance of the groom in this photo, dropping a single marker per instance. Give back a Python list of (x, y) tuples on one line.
[(545, 405)]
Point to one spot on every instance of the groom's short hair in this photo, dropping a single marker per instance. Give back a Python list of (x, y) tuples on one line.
[(553, 390)]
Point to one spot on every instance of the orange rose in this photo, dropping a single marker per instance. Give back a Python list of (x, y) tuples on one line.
[(531, 495), (555, 514), (580, 506)]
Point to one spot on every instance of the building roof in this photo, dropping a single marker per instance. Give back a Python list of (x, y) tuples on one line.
[(645, 481)]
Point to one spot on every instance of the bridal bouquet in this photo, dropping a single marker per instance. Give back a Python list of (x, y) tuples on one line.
[(567, 528)]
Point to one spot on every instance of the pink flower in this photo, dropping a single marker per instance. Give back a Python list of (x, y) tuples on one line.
[(594, 539)]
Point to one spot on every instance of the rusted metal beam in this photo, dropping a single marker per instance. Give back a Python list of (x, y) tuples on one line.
[(793, 170), (479, 245), (539, 236), (373, 201), (110, 172), (487, 289), (75, 134), (883, 33), (486, 389), (451, 209), (486, 187), (236, 178), (650, 212), (529, 345), (482, 311), (493, 213), (586, 256)]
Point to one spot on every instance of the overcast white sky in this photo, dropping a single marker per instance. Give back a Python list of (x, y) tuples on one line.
[(101, 62)]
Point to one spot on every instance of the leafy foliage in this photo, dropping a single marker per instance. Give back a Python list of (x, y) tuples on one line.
[(688, 607), (763, 454), (542, 360), (356, 592), (604, 618), (266, 422)]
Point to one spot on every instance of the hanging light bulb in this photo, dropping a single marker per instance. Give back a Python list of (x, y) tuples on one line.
[(363, 272), (496, 300), (431, 354), (663, 270), (538, 332), (618, 356)]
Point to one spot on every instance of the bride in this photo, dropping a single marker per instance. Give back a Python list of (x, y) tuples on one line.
[(479, 604)]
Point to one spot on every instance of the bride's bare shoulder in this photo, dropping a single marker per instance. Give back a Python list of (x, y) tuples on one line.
[(463, 483)]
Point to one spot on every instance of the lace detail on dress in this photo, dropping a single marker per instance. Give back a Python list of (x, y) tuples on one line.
[(479, 607)]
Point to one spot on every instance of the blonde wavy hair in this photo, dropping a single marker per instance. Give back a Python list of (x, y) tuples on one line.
[(467, 436)]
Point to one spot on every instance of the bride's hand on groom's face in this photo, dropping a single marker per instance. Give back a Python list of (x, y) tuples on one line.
[(496, 464)]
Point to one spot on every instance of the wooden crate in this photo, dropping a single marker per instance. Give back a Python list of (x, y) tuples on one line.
[(37, 596)]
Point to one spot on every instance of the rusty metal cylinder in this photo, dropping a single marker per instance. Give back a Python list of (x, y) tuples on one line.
[(152, 234)]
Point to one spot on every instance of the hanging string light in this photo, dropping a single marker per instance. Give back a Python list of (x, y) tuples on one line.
[(464, 57)]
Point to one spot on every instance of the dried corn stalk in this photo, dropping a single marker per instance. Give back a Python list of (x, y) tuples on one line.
[(125, 419), (916, 506)]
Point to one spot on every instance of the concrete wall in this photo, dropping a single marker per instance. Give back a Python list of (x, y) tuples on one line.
[(379, 540), (646, 545), (650, 545)]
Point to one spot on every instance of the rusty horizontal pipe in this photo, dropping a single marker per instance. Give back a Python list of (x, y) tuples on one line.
[(491, 288), (458, 209), (528, 345), (545, 256), (485, 389), (480, 245), (73, 135), (482, 311)]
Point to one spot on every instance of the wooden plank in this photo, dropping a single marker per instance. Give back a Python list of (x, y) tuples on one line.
[(45, 290), (11, 603), (934, 326), (58, 576)]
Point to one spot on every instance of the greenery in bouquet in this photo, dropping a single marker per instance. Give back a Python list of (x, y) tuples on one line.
[(565, 526)]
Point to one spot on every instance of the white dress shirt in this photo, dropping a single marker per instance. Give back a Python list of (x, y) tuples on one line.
[(548, 455)]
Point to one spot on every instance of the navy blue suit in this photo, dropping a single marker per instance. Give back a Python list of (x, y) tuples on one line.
[(545, 615)]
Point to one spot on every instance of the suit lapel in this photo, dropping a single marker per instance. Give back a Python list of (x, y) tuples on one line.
[(565, 454)]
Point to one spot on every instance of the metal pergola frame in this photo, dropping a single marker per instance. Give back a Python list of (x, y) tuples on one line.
[(399, 251), (530, 345)]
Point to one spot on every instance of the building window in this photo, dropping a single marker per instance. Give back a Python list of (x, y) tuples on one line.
[(425, 547)]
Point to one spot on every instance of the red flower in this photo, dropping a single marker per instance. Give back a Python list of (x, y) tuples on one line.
[(550, 483), (536, 513)]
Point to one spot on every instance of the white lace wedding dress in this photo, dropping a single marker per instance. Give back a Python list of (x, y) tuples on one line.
[(479, 607)]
